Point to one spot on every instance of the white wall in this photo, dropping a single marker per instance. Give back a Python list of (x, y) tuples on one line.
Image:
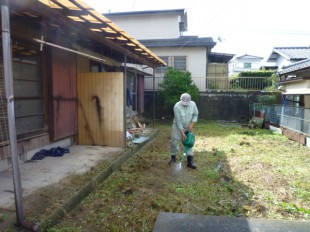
[(150, 26), (300, 87), (237, 65), (196, 59), (281, 62)]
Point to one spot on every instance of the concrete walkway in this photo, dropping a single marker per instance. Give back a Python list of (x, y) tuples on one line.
[(171, 222), (50, 170)]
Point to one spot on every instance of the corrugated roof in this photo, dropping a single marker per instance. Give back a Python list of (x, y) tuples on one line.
[(183, 41), (217, 57), (304, 64), (290, 53)]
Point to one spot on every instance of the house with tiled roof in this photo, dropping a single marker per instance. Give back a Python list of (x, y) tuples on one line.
[(293, 65), (244, 63), (284, 56), (295, 82), (295, 87), (163, 32)]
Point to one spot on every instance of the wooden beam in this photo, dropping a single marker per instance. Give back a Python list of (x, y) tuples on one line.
[(45, 15)]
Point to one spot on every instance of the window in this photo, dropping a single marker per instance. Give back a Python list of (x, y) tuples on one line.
[(247, 65), (162, 69), (179, 63)]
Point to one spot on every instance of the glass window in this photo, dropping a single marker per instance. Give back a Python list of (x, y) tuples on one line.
[(179, 63), (247, 65), (162, 69)]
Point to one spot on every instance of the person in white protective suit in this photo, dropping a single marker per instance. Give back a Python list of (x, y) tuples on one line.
[(185, 116)]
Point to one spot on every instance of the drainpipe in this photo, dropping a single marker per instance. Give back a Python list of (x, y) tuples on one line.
[(8, 76)]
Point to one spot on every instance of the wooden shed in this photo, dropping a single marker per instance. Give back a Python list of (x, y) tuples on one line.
[(69, 74)]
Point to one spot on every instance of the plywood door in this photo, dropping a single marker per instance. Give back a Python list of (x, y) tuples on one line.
[(101, 109), (63, 100)]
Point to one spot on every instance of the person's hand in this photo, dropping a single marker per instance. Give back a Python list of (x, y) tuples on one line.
[(183, 135), (190, 126)]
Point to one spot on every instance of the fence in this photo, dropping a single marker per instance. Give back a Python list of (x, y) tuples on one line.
[(218, 83), (291, 117)]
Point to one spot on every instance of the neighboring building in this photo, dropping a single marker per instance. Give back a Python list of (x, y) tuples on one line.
[(295, 112), (284, 56), (153, 24), (70, 65), (244, 63), (295, 83), (185, 53), (162, 31)]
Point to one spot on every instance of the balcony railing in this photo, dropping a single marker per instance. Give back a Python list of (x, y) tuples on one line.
[(218, 83)]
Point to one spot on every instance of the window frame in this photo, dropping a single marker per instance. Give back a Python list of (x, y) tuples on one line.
[(163, 69), (247, 65), (182, 61)]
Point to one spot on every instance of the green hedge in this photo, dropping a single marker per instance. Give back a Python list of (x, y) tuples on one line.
[(256, 74)]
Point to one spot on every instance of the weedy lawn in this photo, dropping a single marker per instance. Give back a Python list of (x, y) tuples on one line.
[(241, 173)]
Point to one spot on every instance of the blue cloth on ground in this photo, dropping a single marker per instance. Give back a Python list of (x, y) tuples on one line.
[(54, 152)]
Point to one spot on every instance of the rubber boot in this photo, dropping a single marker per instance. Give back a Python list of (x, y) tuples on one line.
[(173, 160), (190, 162)]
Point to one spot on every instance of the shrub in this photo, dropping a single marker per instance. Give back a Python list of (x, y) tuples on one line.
[(256, 73), (175, 83)]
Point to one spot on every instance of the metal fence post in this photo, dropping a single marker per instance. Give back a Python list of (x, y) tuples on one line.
[(8, 76)]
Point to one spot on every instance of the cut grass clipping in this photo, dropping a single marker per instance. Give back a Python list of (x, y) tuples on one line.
[(241, 173)]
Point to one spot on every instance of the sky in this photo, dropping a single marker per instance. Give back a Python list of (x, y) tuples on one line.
[(238, 27)]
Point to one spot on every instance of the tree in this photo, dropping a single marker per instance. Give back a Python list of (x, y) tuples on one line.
[(175, 83), (274, 79)]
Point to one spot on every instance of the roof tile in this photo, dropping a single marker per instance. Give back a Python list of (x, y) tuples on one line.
[(182, 41)]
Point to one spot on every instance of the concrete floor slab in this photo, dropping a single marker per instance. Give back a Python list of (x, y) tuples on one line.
[(171, 222), (51, 170)]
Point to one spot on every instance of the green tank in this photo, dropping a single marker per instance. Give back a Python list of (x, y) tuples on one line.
[(189, 141)]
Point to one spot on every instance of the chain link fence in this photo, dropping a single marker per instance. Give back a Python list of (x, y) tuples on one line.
[(291, 117)]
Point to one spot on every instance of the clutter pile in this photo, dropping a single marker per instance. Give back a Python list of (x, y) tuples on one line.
[(135, 131)]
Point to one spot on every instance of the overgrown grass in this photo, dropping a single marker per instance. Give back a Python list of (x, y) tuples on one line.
[(241, 173)]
